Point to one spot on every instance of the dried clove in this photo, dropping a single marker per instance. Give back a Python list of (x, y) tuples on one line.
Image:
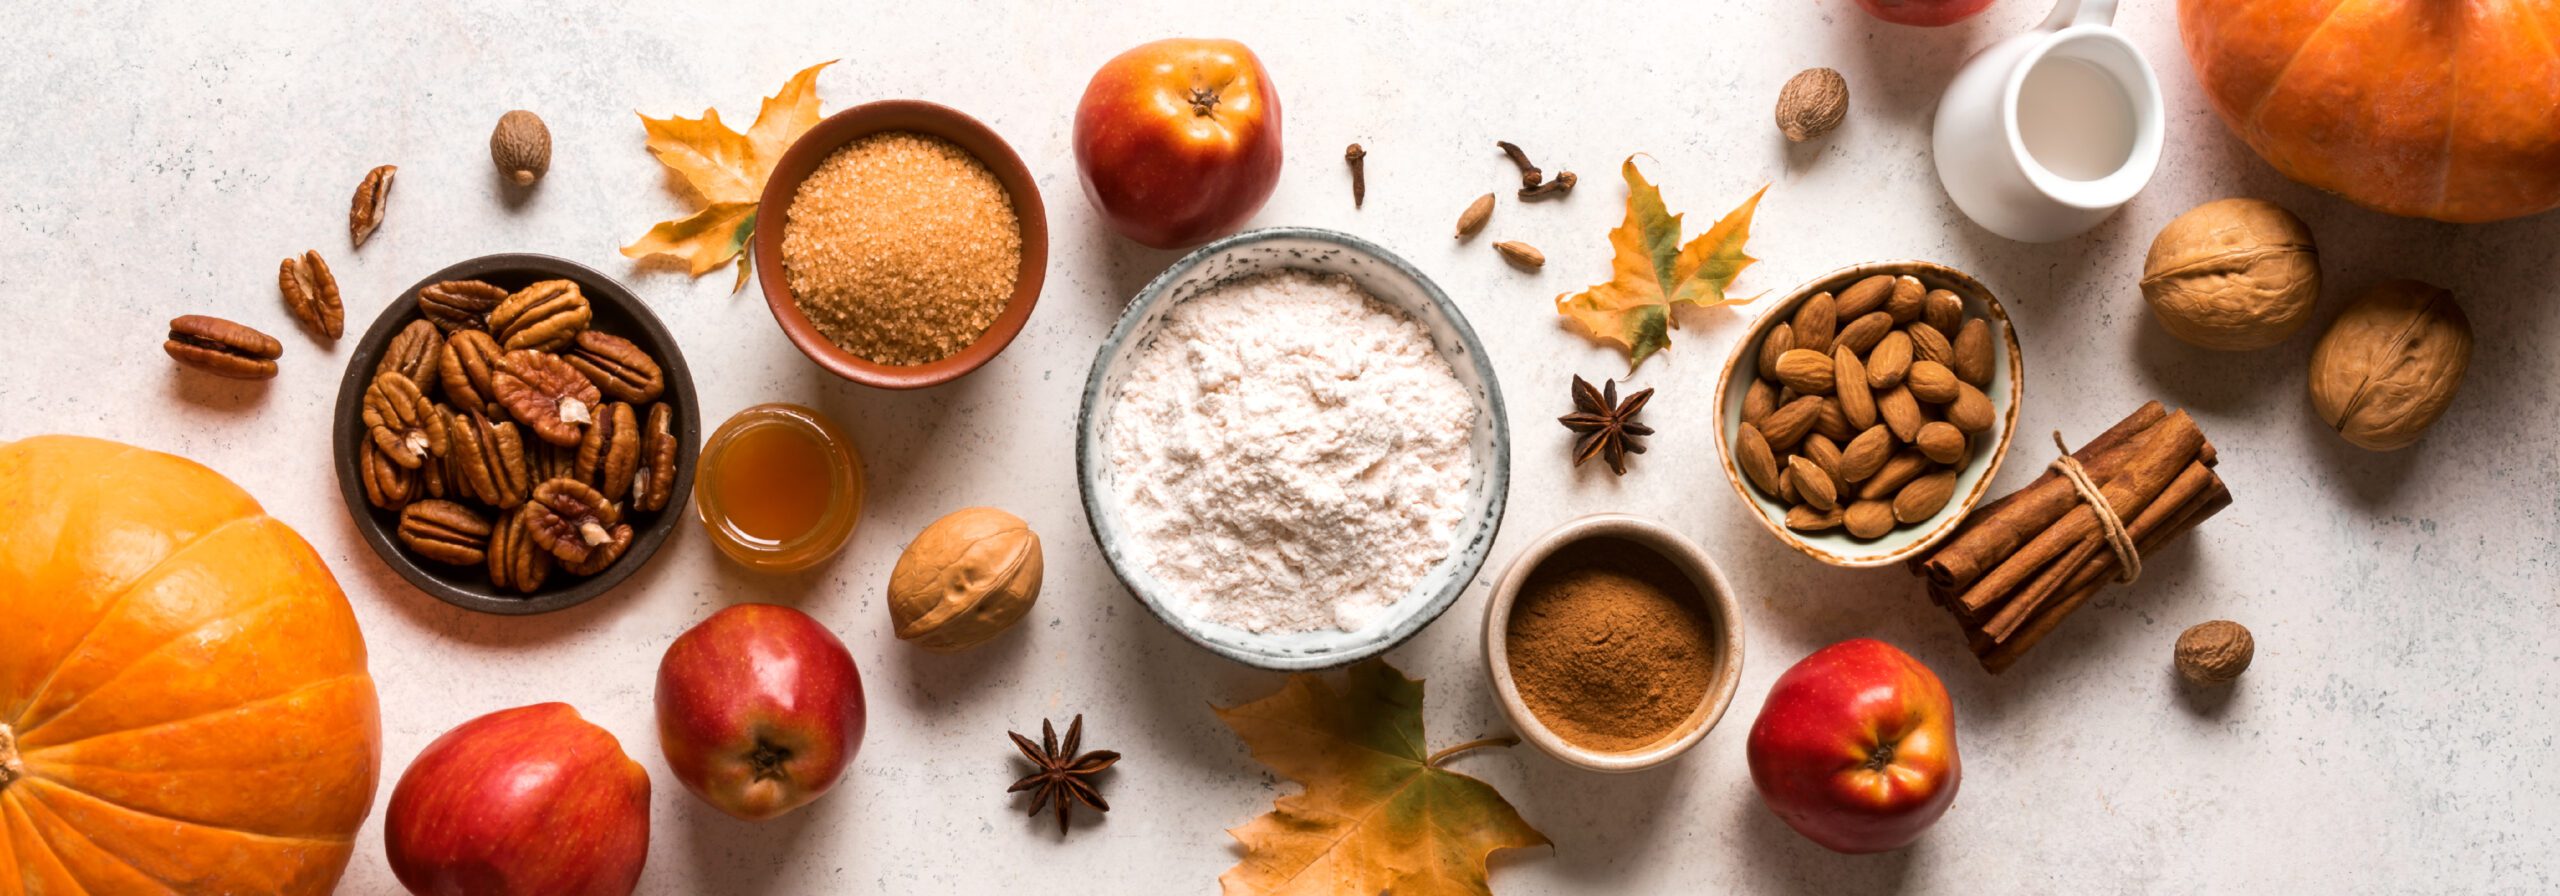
[(1359, 178), (1529, 173), (1562, 184)]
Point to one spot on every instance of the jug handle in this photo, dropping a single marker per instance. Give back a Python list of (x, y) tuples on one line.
[(2067, 13)]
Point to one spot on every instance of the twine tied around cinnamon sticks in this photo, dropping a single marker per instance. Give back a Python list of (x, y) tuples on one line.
[(2128, 557)]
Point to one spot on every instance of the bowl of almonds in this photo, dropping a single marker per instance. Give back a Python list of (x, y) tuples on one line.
[(516, 434), (1865, 414)]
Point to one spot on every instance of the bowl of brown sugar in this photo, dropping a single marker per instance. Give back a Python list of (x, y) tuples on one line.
[(902, 244), (1614, 643)]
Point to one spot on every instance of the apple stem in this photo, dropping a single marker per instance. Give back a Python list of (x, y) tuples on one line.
[(1444, 755), (11, 768), (1203, 101)]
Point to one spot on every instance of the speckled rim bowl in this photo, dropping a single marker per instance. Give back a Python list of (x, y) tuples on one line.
[(616, 311), (2007, 393), (1722, 613), (1398, 285), (833, 132)]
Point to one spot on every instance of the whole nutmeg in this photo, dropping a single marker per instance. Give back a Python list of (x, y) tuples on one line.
[(966, 578), (521, 146), (2215, 652), (2232, 275), (2390, 363), (1812, 103)]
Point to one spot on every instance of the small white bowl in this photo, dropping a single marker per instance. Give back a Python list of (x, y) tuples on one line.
[(1394, 283), (1723, 617)]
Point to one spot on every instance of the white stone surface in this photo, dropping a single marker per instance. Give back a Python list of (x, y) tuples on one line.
[(2394, 736)]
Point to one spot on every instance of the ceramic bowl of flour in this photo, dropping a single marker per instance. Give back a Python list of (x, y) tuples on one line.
[(1293, 450)]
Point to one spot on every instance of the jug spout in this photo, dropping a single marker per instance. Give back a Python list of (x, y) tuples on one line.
[(2067, 13)]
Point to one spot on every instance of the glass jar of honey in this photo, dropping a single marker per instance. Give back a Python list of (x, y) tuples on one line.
[(780, 487)]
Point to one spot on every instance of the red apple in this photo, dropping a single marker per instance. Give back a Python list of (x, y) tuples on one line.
[(759, 710), (532, 800), (1931, 13), (1178, 141), (1856, 748)]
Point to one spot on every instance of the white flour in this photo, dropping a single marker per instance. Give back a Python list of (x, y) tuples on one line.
[(1290, 454)]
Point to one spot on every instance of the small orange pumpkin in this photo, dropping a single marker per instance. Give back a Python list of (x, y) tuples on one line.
[(184, 705)]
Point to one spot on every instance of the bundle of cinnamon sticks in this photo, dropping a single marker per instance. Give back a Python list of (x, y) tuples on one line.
[(2020, 564)]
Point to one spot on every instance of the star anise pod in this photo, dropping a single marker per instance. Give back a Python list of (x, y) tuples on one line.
[(1608, 427), (1062, 772)]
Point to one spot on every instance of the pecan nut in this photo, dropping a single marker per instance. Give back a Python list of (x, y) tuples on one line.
[(491, 459), (460, 304), (402, 421), (610, 454), (515, 561), (222, 348), (574, 522), (444, 532), (654, 483), (545, 394), (413, 353), (467, 366), (617, 543), (312, 294), (619, 368), (543, 316), (365, 215), (547, 461), (387, 485)]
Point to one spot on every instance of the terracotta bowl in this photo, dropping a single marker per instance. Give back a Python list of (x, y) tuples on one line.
[(1716, 603), (2007, 394), (773, 209)]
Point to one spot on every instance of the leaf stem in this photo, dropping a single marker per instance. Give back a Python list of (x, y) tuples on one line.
[(1443, 755)]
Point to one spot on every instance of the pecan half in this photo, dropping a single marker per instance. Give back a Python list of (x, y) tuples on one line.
[(617, 543), (371, 197), (547, 461), (466, 367), (515, 561), (545, 394), (312, 294), (654, 483), (460, 304), (222, 348), (403, 423), (543, 316), (619, 368), (413, 353), (387, 485), (490, 458), (610, 453), (572, 521), (444, 532)]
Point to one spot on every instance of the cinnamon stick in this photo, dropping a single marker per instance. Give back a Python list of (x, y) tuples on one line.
[(2094, 556), (1999, 658), (1996, 529), (2154, 461)]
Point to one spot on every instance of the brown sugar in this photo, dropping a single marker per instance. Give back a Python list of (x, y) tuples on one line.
[(902, 248), (1608, 647)]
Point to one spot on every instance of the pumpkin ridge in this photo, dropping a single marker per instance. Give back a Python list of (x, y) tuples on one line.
[(25, 733), (32, 752), (36, 697), (12, 806), (2276, 84), (172, 819), (31, 804)]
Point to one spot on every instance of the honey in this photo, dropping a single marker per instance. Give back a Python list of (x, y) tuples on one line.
[(780, 488)]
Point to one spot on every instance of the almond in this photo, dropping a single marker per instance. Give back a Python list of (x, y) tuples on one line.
[(1901, 412), (1816, 321), (1865, 296), (1788, 424), (1758, 401), (1862, 333), (1864, 454), (1890, 361), (1973, 353), (1941, 442), (1927, 344), (1905, 302), (1849, 384), (1751, 453), (1932, 382), (1787, 489), (1941, 309), (1868, 519), (1780, 339), (1971, 410), (1807, 371), (1924, 497), (1898, 471), (1823, 452), (1803, 518), (1812, 484), (1830, 420)]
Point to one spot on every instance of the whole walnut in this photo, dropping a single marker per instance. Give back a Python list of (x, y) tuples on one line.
[(2215, 652), (2232, 275), (966, 578), (2389, 365)]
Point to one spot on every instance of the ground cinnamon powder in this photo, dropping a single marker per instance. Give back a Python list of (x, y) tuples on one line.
[(1607, 644)]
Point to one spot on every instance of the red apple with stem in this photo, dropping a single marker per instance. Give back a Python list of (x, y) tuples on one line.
[(1856, 747), (1178, 141), (759, 710), (531, 801), (1930, 13)]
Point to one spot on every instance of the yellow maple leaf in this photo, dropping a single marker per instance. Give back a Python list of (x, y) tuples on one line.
[(727, 170), (1652, 272), (1379, 814)]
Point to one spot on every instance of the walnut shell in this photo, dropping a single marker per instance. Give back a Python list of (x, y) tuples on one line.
[(966, 578), (2232, 275), (2215, 652), (2390, 363)]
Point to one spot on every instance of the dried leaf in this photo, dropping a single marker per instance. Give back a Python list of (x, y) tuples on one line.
[(1378, 814), (727, 170), (1652, 271)]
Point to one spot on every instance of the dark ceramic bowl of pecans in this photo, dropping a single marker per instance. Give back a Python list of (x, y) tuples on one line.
[(458, 545)]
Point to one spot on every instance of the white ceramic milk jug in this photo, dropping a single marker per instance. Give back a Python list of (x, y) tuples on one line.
[(2045, 134)]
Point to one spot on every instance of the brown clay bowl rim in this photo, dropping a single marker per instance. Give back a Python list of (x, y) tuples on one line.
[(1904, 542), (922, 117)]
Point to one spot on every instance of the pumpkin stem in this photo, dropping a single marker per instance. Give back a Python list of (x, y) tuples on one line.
[(11, 769)]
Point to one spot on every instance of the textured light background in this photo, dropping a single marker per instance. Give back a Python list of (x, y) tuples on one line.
[(2394, 736)]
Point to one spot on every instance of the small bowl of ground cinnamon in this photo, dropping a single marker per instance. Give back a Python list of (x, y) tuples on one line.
[(1614, 643), (901, 244)]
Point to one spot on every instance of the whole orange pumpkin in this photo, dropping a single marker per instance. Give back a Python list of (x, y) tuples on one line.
[(183, 698), (2446, 109)]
